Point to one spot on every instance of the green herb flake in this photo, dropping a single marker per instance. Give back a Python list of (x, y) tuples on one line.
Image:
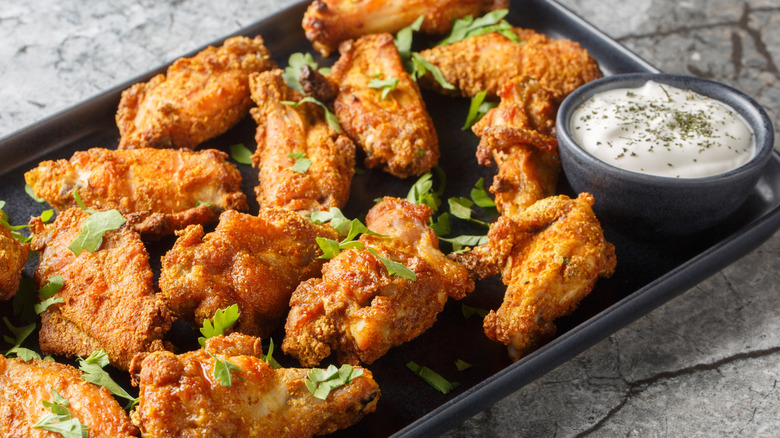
[(331, 118), (421, 66), (61, 420), (387, 86), (240, 154), (469, 27), (460, 242), (224, 369), (395, 268), (320, 382), (461, 208), (31, 193), (477, 109), (469, 311), (93, 228), (53, 285), (462, 365), (292, 73), (92, 367), (433, 378), (302, 163), (20, 334), (269, 357), (47, 215), (480, 196), (403, 39), (223, 320)]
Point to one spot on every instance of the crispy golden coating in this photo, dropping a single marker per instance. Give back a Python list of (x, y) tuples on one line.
[(253, 261), (360, 311), (396, 132), (489, 61), (519, 136), (23, 385), (109, 301), (13, 256), (179, 396), (283, 130), (550, 258), (158, 190), (329, 22), (197, 99)]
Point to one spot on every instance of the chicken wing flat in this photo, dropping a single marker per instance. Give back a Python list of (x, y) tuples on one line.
[(13, 256), (198, 98), (358, 309), (108, 296), (550, 258), (158, 190), (179, 395), (24, 385), (253, 261), (329, 22), (393, 128), (489, 61), (288, 133), (519, 136)]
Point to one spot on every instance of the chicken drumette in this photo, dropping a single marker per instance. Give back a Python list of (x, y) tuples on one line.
[(13, 256)]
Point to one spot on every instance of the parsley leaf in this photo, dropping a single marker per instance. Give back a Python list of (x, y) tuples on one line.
[(480, 196), (422, 191), (320, 381), (223, 320), (61, 420), (268, 357), (302, 163), (93, 370), (403, 39), (331, 118), (433, 378), (414, 64), (223, 370), (30, 193), (465, 240), (386, 85), (80, 203), (469, 311), (477, 109), (20, 334), (93, 228), (468, 27), (292, 73), (53, 285), (441, 226), (461, 209), (421, 66), (395, 268), (240, 153), (462, 365), (336, 218)]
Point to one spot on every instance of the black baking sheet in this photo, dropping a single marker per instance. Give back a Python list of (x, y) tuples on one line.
[(648, 273)]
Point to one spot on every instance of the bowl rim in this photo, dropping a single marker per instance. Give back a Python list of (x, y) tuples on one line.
[(753, 113)]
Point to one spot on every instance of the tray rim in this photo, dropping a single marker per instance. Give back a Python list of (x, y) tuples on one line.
[(565, 346)]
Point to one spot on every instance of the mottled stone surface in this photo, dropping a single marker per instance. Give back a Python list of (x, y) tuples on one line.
[(704, 364)]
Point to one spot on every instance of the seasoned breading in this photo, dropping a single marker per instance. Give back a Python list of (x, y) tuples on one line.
[(396, 131), (519, 136), (24, 385), (359, 310), (13, 256), (158, 190), (179, 396), (550, 258), (197, 98), (283, 130), (109, 301), (329, 22), (489, 61), (253, 261)]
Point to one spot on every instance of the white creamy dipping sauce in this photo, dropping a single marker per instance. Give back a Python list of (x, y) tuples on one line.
[(662, 130)]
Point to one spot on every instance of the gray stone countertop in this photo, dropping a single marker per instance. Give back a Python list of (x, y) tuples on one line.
[(706, 363)]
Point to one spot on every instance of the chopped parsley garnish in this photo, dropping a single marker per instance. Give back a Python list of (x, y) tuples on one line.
[(224, 369), (468, 27), (93, 228), (433, 378), (20, 334), (459, 242), (223, 320), (269, 357), (53, 285), (422, 191), (93, 370), (478, 108), (462, 365), (331, 118), (414, 64), (302, 163), (386, 85), (461, 209), (469, 311), (320, 381), (480, 196), (60, 420), (30, 193), (240, 153), (395, 268), (292, 73)]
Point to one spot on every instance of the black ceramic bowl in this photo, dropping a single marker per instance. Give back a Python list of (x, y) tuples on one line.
[(656, 206)]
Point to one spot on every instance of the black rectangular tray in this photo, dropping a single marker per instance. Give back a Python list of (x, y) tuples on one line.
[(649, 273)]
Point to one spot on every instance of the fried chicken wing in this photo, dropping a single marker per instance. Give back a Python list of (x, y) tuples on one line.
[(23, 385), (197, 99), (329, 22), (253, 261), (158, 190), (13, 256), (394, 129), (179, 396), (108, 295), (519, 136), (489, 61), (286, 130), (550, 258), (358, 309)]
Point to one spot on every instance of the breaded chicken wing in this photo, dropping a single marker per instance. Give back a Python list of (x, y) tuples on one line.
[(519, 136), (24, 385), (179, 395), (253, 261), (394, 129), (489, 61), (158, 190), (285, 130), (358, 309), (329, 22), (550, 258), (13, 256), (109, 301), (197, 99)]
